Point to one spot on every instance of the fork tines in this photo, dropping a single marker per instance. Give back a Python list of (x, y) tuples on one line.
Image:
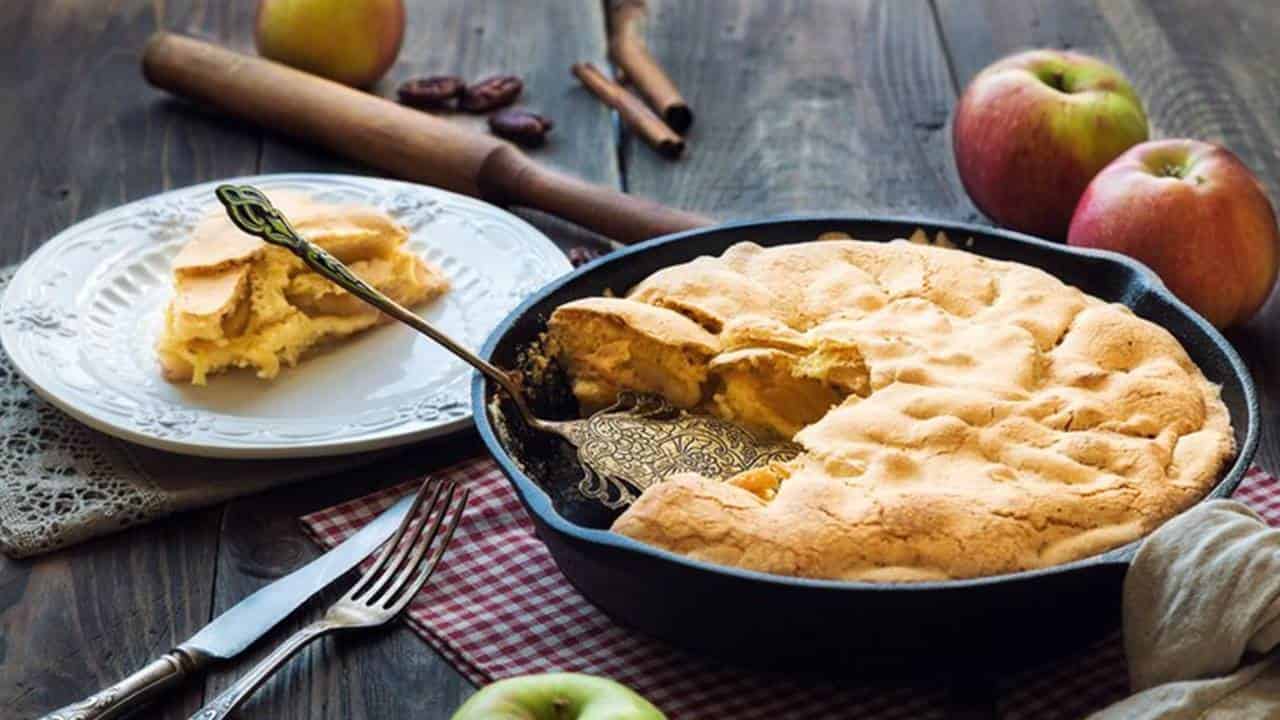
[(404, 566)]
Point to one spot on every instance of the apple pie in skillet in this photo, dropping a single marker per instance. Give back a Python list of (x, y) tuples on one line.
[(960, 416)]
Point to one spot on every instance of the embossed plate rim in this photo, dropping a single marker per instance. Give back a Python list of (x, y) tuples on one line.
[(37, 337)]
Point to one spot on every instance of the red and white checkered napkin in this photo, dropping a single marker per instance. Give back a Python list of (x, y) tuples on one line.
[(497, 607)]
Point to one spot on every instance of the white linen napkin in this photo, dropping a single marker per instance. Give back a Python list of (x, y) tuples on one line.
[(1202, 619)]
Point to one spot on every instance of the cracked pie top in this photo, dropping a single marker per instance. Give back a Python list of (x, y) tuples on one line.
[(960, 416)]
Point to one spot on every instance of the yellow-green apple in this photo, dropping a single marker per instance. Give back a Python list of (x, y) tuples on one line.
[(1192, 212), (1031, 131), (351, 41), (562, 696)]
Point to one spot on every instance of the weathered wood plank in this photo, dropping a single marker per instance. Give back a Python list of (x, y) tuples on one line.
[(1203, 71), (535, 41), (1212, 71), (977, 33), (83, 618), (801, 106), (395, 674), (1193, 84), (374, 674), (82, 132), (804, 106), (1191, 87), (821, 106)]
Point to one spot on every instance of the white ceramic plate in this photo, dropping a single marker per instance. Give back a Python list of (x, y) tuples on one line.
[(82, 315)]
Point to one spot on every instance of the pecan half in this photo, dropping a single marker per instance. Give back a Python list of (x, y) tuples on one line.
[(491, 93), (580, 255), (520, 126), (431, 92)]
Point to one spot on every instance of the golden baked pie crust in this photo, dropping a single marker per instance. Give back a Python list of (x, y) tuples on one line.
[(239, 302), (960, 416)]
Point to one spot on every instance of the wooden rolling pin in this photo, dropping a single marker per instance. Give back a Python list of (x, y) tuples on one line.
[(404, 142)]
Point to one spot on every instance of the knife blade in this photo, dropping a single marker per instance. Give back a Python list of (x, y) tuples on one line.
[(246, 621), (237, 628)]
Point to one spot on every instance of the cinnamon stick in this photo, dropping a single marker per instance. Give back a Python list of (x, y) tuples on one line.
[(637, 116), (628, 50)]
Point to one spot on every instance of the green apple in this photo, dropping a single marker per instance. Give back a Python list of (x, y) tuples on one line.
[(557, 696), (1032, 130), (351, 41)]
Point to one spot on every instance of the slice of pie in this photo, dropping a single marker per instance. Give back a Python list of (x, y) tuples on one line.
[(239, 302)]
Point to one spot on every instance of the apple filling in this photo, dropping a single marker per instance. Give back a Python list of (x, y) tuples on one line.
[(239, 302)]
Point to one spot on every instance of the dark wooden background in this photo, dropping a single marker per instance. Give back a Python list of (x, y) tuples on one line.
[(835, 105)]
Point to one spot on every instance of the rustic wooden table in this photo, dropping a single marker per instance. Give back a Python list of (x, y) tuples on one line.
[(835, 105)]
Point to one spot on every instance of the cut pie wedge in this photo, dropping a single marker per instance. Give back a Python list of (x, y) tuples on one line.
[(239, 302)]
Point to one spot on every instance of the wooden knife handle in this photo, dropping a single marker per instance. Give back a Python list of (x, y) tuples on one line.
[(405, 142)]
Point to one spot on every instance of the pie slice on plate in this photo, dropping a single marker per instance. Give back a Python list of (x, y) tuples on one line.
[(240, 302)]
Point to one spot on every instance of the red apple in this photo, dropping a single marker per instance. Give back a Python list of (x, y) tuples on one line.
[(351, 41), (1033, 129), (1193, 213)]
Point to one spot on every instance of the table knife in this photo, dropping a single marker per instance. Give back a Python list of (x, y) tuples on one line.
[(238, 627)]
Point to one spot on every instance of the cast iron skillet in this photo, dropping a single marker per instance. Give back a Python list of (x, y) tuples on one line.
[(748, 617)]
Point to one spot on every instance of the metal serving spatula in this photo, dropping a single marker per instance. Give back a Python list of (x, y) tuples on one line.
[(623, 449)]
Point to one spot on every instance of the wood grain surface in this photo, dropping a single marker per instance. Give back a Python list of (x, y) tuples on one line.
[(479, 39), (801, 105), (348, 677), (1206, 73), (812, 105), (81, 134)]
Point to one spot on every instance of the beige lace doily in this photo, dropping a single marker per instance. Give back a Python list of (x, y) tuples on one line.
[(62, 483)]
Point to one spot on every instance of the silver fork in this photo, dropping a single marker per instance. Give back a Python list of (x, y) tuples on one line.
[(382, 594)]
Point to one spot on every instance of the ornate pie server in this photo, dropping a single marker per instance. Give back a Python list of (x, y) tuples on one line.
[(623, 449)]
